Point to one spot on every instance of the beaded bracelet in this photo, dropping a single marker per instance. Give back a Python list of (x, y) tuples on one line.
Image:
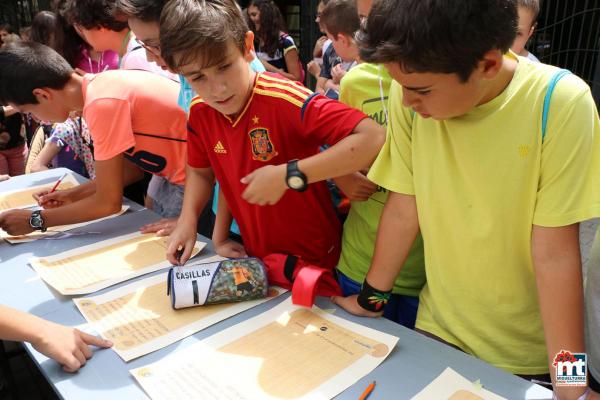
[(372, 299)]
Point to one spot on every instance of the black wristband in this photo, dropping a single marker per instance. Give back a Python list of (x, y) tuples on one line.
[(372, 299)]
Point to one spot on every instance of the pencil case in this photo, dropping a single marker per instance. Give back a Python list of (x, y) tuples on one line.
[(217, 282)]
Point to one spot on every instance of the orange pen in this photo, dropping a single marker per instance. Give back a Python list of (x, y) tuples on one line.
[(367, 391)]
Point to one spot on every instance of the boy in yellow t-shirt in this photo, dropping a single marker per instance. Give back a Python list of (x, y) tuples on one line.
[(366, 87), (497, 203)]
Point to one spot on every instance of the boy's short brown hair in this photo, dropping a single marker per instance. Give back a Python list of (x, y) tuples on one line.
[(199, 30), (340, 16)]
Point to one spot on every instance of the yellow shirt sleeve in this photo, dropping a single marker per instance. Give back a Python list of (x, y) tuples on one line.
[(393, 168), (569, 183)]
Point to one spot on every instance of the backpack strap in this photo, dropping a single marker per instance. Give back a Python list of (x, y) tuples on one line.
[(553, 81)]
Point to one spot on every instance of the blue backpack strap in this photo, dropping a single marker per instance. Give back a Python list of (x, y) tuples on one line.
[(553, 81)]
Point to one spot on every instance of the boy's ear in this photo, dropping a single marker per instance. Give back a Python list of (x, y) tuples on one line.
[(348, 40), (491, 63), (249, 46), (343, 38), (532, 29), (42, 95)]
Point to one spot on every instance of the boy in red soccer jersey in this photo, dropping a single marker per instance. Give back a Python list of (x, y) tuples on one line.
[(249, 131)]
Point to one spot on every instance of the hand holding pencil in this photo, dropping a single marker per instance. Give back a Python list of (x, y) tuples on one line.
[(53, 198)]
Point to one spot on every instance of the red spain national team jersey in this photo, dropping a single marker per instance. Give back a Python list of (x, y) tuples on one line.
[(282, 121)]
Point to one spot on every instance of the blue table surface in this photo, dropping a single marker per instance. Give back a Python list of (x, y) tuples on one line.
[(411, 366)]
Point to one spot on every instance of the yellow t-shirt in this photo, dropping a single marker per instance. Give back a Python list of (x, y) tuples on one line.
[(480, 182), (366, 87)]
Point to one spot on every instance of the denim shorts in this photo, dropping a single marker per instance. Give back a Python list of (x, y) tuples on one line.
[(167, 197)]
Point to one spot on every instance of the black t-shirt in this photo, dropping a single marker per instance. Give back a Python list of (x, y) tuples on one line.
[(10, 131)]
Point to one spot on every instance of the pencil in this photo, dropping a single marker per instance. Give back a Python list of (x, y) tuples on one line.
[(58, 182), (367, 391)]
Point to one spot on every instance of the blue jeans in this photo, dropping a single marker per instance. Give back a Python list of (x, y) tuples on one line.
[(400, 308)]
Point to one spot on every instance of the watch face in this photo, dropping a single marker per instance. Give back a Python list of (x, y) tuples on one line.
[(36, 220), (295, 182)]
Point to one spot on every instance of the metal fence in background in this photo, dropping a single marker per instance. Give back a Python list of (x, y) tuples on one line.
[(19, 13), (568, 36)]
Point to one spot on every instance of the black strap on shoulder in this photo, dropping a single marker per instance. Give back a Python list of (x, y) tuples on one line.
[(308, 100)]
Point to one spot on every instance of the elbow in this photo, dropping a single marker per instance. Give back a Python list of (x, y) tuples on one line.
[(110, 207), (37, 168), (376, 140), (114, 208), (379, 139)]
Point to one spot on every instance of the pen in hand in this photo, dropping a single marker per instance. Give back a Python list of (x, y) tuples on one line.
[(58, 183)]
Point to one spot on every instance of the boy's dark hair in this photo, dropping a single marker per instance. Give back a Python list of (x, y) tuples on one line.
[(271, 25), (7, 27), (341, 16), (25, 66), (193, 30), (144, 10), (438, 36), (531, 5), (92, 14)]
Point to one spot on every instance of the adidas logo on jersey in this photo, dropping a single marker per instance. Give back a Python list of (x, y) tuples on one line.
[(219, 149)]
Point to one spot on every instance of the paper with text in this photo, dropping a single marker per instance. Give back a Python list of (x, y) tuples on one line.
[(97, 266), (23, 198), (288, 352), (138, 318), (53, 231)]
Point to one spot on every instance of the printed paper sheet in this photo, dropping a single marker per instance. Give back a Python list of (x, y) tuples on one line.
[(54, 231), (288, 352), (453, 386), (138, 318), (97, 266), (23, 198)]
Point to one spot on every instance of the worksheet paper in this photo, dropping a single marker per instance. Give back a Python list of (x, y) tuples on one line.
[(23, 198), (56, 231), (453, 386), (97, 266), (288, 352), (138, 318)]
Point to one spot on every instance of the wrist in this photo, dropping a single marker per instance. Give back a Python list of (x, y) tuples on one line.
[(295, 179), (186, 221), (580, 395), (219, 240), (36, 330), (372, 299)]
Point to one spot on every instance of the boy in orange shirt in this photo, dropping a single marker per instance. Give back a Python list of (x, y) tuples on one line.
[(133, 117)]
